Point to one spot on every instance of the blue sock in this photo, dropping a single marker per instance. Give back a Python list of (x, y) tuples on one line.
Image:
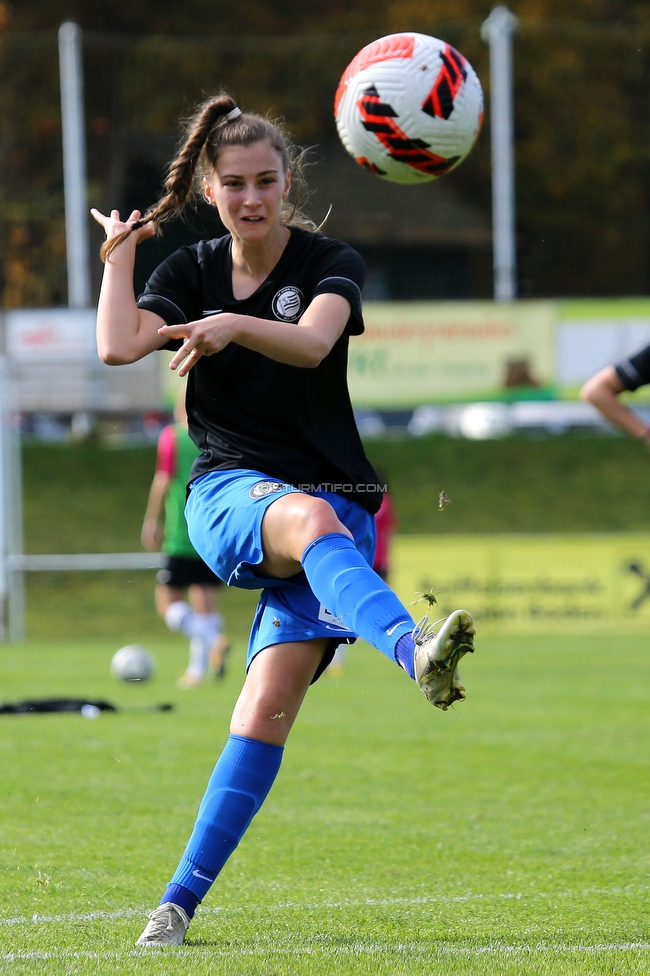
[(181, 896), (237, 788), (343, 581), (405, 654)]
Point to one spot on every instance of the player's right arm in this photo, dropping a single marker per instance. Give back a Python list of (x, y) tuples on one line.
[(125, 333), (603, 391), (152, 527), (152, 531)]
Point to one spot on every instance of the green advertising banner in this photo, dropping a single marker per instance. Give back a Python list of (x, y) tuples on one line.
[(528, 583), (415, 353)]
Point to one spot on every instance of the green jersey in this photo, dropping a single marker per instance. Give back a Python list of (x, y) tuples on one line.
[(176, 455)]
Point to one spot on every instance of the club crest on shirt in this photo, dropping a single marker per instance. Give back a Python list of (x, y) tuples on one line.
[(287, 304), (263, 488)]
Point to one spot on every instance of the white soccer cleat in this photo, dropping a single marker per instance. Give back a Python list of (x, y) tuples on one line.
[(218, 653), (437, 654), (167, 925), (189, 680)]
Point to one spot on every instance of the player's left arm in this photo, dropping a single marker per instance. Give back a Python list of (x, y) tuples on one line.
[(304, 343)]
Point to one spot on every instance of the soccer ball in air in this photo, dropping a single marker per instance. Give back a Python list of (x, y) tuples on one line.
[(132, 663), (409, 107)]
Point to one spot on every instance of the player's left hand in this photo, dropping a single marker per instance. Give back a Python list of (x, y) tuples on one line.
[(202, 338)]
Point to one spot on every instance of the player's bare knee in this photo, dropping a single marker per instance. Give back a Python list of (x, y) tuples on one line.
[(264, 716), (317, 518), (294, 521)]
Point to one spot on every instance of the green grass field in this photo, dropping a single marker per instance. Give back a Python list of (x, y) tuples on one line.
[(509, 836)]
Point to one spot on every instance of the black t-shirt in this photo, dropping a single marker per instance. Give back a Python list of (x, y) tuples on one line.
[(634, 371), (246, 410)]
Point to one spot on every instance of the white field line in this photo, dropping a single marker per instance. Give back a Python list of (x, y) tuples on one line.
[(361, 948), (329, 905)]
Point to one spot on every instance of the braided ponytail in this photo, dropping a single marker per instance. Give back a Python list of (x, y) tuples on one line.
[(180, 178), (216, 125)]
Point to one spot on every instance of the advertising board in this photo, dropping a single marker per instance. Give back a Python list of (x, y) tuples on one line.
[(417, 353), (530, 583)]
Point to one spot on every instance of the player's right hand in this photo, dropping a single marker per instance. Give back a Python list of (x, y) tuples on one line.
[(151, 536), (114, 225)]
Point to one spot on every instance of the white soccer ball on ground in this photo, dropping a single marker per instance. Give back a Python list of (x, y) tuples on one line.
[(132, 663), (409, 107)]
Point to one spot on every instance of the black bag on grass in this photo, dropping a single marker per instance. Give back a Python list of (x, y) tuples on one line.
[(30, 705), (54, 705)]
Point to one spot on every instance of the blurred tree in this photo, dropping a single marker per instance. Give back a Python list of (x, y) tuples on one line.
[(582, 116), (199, 17), (582, 89), (260, 17)]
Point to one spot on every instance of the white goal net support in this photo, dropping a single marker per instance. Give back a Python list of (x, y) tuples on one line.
[(11, 584), (14, 563), (49, 363)]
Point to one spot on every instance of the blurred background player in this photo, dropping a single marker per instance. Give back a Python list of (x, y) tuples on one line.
[(604, 389), (185, 575), (385, 525)]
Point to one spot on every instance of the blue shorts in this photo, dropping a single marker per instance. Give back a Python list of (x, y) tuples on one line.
[(224, 516)]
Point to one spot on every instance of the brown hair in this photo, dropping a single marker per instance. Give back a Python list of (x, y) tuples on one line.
[(207, 133)]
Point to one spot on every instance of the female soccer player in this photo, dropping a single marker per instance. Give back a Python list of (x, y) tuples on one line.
[(282, 495)]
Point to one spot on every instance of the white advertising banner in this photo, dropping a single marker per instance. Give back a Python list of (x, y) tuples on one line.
[(592, 334), (47, 334), (53, 357)]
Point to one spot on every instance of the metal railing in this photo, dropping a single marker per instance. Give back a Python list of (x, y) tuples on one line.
[(14, 563)]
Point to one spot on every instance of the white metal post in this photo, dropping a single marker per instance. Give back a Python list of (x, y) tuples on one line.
[(16, 535), (74, 165), (4, 504), (12, 595), (497, 30)]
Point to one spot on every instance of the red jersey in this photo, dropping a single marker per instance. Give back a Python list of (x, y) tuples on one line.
[(386, 523)]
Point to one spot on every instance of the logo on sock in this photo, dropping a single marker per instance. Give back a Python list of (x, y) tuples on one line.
[(204, 877), (389, 633)]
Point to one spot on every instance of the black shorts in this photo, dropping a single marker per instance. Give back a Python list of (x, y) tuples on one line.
[(180, 572)]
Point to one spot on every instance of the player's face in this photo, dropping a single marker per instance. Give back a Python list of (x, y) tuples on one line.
[(247, 187)]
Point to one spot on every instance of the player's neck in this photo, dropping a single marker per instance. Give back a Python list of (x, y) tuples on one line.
[(255, 260)]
